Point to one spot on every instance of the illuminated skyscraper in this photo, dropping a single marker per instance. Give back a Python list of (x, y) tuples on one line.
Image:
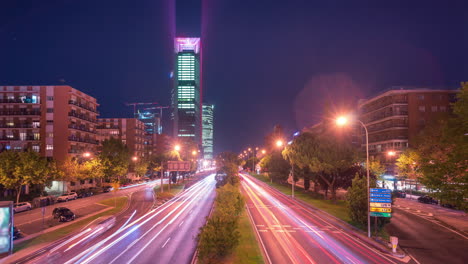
[(186, 101), (207, 136)]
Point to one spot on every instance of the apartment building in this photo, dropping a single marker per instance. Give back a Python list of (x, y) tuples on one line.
[(55, 121), (395, 117), (130, 130)]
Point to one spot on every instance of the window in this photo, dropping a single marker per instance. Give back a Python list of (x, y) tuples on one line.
[(50, 110), (50, 135), (434, 108), (50, 98), (35, 148), (421, 122), (443, 108), (50, 121), (36, 136), (36, 124), (49, 147), (422, 108), (22, 136), (421, 97)]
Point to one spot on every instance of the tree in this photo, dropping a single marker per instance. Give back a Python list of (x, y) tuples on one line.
[(277, 167), (356, 200), (115, 158), (377, 169), (326, 156), (141, 167), (250, 163), (18, 169), (409, 165), (92, 169)]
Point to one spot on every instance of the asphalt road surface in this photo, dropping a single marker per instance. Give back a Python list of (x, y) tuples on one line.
[(290, 232), (166, 234), (426, 239)]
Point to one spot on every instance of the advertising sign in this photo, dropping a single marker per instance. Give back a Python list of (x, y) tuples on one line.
[(381, 210), (178, 165), (6, 227)]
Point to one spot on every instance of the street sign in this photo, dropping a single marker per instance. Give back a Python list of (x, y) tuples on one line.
[(378, 214), (381, 195), (381, 205), (379, 190), (380, 200), (178, 166), (381, 210)]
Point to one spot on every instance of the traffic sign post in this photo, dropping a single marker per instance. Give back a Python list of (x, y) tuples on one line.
[(380, 202)]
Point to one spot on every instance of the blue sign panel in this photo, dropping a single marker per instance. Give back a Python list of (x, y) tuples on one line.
[(379, 190), (380, 200), (381, 195)]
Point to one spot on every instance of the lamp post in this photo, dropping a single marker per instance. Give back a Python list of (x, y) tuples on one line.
[(341, 121)]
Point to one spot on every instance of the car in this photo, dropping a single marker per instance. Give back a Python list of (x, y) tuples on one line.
[(399, 194), (67, 196), (63, 214), (84, 193), (106, 189), (427, 199), (448, 205), (21, 207)]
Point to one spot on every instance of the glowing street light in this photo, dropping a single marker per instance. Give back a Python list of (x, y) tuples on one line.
[(263, 151), (341, 121), (194, 152), (177, 147), (279, 143), (86, 155), (391, 153), (134, 158)]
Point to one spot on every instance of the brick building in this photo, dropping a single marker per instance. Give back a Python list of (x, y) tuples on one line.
[(395, 117), (55, 121), (130, 130)]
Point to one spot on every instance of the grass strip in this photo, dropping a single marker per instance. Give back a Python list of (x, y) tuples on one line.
[(120, 203), (167, 194)]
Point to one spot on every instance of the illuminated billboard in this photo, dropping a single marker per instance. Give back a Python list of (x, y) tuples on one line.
[(6, 227), (187, 44)]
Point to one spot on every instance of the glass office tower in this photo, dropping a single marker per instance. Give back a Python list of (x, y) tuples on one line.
[(207, 136), (186, 101)]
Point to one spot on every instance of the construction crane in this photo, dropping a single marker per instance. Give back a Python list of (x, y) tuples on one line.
[(135, 106)]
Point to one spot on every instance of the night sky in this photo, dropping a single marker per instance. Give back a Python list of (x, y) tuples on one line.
[(264, 62)]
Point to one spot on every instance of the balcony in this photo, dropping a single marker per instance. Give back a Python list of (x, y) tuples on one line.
[(82, 117), (19, 113), (81, 128), (18, 101), (83, 140), (3, 125), (105, 127), (17, 138), (83, 106), (384, 115)]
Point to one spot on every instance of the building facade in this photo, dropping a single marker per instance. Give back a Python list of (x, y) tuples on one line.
[(395, 118), (207, 135), (130, 131), (186, 93), (56, 121)]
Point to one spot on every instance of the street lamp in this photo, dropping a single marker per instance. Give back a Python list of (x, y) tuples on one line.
[(263, 151), (177, 147), (86, 155), (279, 143), (134, 158), (341, 121), (194, 152), (391, 153)]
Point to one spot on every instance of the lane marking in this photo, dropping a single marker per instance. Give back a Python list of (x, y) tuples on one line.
[(181, 222), (166, 242)]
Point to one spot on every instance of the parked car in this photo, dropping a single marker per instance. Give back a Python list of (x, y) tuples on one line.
[(448, 205), (84, 193), (106, 189), (427, 199), (20, 207), (399, 194), (67, 196), (63, 214)]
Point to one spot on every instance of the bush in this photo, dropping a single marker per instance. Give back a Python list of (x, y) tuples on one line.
[(219, 237)]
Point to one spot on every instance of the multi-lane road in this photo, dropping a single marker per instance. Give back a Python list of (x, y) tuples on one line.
[(166, 234), (290, 232)]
